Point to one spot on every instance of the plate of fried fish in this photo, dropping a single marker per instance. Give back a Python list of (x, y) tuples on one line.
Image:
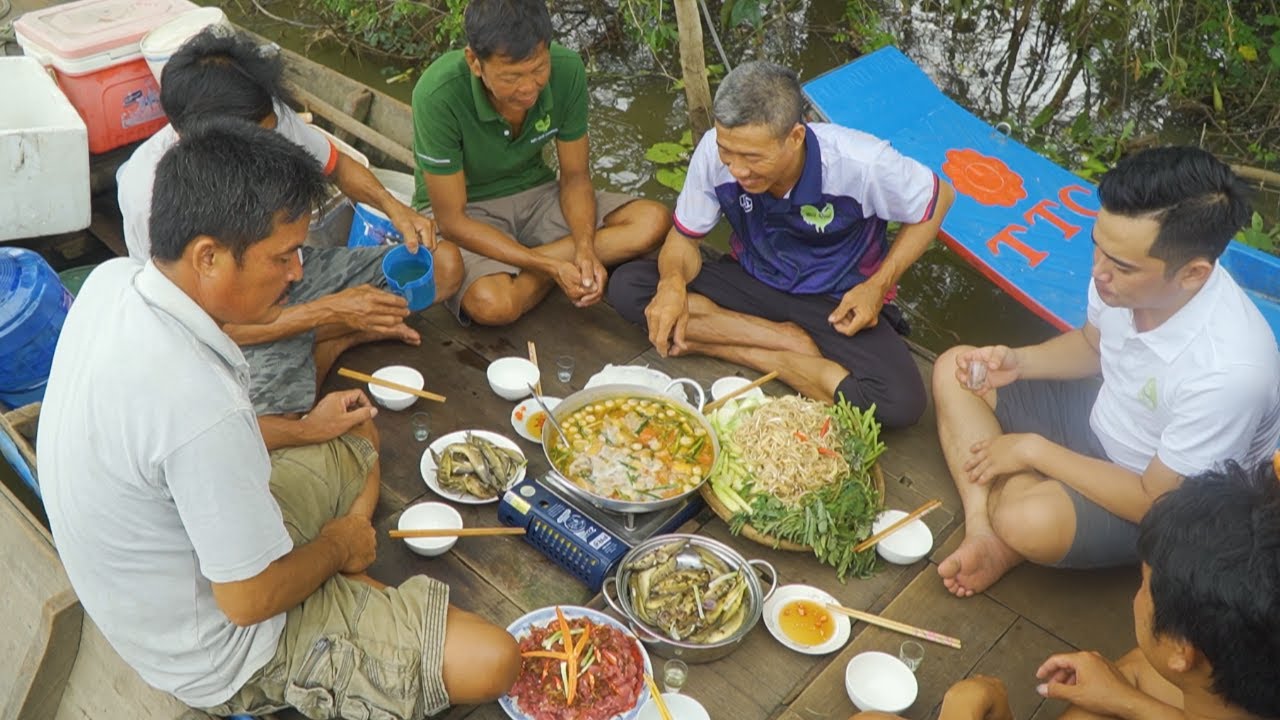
[(472, 466)]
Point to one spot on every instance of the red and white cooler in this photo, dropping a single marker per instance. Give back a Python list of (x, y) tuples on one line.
[(92, 46)]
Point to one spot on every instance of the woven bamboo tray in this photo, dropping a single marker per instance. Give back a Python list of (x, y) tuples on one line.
[(750, 533)]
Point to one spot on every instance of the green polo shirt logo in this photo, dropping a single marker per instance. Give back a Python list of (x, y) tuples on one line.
[(1148, 394), (819, 219), (544, 124)]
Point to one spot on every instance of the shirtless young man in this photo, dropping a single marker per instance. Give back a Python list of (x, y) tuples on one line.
[(1207, 617)]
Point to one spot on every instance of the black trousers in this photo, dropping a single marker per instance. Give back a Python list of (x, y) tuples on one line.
[(881, 370)]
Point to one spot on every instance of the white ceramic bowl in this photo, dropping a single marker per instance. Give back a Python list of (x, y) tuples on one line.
[(429, 516), (906, 545), (784, 595), (682, 707), (728, 384), (523, 411), (637, 375), (394, 399), (510, 377), (878, 681)]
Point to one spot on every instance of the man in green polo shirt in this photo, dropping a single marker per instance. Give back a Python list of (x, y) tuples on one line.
[(481, 118)]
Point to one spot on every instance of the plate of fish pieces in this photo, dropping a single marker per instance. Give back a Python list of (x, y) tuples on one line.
[(472, 466)]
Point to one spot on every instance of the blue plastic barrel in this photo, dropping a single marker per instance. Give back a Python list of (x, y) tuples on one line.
[(370, 227), (33, 306)]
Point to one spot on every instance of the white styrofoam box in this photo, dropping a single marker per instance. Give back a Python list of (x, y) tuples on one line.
[(44, 155)]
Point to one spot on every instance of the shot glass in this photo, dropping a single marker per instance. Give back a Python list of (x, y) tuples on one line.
[(977, 374), (564, 368), (674, 674), (421, 425), (911, 653)]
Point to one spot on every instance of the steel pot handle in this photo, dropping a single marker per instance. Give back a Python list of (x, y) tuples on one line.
[(612, 582), (759, 565), (702, 396)]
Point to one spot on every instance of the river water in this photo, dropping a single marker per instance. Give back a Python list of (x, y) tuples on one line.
[(974, 59)]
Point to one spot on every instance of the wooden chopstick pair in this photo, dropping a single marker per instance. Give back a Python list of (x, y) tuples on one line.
[(916, 514), (348, 373), (658, 700), (456, 532), (533, 358), (894, 625), (744, 389)]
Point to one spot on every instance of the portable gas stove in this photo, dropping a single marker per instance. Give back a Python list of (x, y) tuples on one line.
[(579, 537)]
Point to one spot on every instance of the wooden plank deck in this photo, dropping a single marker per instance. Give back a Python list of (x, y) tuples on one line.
[(1007, 632)]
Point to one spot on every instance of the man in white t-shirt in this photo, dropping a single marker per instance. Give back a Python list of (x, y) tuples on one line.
[(1056, 467), (807, 285), (341, 301), (225, 570)]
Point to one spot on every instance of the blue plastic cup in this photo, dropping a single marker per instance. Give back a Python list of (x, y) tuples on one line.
[(411, 275)]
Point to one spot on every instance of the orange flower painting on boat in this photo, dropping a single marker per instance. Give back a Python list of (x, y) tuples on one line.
[(983, 178)]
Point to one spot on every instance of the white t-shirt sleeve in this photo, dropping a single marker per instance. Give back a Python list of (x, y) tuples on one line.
[(698, 208), (135, 212), (897, 188), (135, 182), (1215, 419), (220, 484), (318, 146)]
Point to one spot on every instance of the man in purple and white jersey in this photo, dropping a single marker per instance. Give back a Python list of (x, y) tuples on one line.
[(807, 286)]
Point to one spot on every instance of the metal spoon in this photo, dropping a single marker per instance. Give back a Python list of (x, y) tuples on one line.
[(550, 418)]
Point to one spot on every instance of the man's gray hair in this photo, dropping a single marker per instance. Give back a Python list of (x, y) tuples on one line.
[(760, 93)]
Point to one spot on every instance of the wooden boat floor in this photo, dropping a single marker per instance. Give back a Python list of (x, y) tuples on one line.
[(1006, 632)]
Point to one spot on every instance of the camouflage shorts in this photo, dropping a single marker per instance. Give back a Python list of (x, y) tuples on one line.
[(282, 374), (349, 650)]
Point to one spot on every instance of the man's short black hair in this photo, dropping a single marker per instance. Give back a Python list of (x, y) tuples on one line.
[(1197, 199), (231, 180), (1213, 546), (514, 28), (221, 73)]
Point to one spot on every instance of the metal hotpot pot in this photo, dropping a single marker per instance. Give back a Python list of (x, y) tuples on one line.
[(582, 398), (617, 593)]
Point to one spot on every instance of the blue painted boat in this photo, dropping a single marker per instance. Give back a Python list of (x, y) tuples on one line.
[(1020, 219)]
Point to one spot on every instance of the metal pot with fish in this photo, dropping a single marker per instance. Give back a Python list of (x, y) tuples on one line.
[(689, 596), (630, 448)]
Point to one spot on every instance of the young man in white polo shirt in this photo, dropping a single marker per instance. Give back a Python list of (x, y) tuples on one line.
[(1056, 468), (225, 574)]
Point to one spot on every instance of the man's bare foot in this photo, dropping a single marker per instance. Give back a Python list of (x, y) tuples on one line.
[(977, 564)]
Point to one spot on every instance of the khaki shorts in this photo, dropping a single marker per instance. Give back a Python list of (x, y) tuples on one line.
[(533, 217), (348, 651)]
